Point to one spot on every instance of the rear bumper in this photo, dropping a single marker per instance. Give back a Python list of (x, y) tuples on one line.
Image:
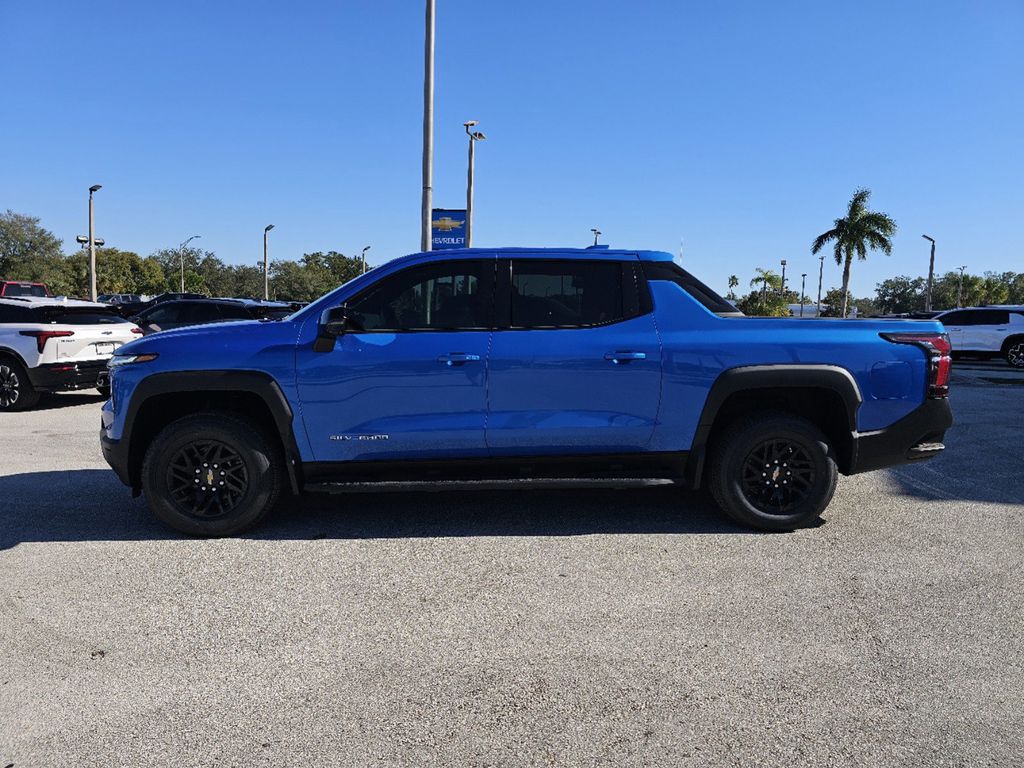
[(916, 437), (59, 377)]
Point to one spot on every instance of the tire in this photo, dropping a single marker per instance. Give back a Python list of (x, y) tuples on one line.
[(16, 391), (105, 391), (239, 468), (790, 501), (1014, 352)]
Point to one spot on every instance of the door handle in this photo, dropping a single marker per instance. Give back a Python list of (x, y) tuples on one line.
[(619, 358), (457, 358)]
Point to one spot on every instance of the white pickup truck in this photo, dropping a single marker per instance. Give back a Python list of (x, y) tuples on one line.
[(53, 345)]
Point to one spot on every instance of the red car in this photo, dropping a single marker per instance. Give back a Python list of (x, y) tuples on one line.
[(10, 288)]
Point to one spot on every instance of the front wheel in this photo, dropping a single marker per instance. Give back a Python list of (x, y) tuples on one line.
[(212, 475), (1015, 353), (775, 472)]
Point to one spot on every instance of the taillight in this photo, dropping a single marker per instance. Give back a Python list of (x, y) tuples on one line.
[(42, 337), (937, 347)]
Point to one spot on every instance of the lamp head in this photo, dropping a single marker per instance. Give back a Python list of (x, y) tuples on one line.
[(95, 188), (470, 123), (268, 227)]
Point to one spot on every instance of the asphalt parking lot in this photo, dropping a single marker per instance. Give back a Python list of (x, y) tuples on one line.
[(610, 628)]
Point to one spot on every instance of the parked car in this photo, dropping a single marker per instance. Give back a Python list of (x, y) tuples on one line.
[(52, 345), (121, 298), (10, 288), (132, 308), (179, 314), (986, 332), (522, 367)]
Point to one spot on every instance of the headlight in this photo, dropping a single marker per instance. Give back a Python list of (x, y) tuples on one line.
[(118, 360)]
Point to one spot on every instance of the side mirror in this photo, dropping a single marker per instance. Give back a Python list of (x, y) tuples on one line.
[(338, 321)]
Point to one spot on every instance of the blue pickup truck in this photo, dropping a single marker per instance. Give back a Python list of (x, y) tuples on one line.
[(530, 367)]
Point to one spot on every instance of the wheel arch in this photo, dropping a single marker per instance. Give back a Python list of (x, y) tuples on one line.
[(1010, 340), (162, 398), (826, 395)]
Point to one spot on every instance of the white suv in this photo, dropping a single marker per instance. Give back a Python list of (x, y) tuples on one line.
[(986, 332), (52, 345)]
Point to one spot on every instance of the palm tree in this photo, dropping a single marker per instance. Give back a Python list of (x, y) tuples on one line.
[(856, 233)]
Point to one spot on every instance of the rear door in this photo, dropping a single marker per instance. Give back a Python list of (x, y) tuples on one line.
[(954, 324), (576, 367)]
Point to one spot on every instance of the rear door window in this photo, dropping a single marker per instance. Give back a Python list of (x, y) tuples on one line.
[(567, 294)]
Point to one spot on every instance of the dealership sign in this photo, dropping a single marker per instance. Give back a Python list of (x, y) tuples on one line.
[(447, 229)]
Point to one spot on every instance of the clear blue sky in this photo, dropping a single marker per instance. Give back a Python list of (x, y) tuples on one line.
[(741, 128)]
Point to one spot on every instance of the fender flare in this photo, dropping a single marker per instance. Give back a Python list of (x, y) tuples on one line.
[(754, 377), (263, 385)]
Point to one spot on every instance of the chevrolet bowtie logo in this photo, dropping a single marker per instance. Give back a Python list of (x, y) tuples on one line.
[(447, 224)]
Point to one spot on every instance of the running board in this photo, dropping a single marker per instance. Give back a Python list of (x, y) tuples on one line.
[(519, 484)]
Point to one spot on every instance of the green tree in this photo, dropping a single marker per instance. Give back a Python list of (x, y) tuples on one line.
[(27, 250), (900, 294), (733, 284), (856, 233)]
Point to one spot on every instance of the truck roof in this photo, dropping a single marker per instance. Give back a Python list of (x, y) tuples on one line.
[(579, 253)]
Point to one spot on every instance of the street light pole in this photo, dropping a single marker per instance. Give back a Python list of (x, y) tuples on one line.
[(783, 289), (428, 127), (803, 284), (266, 262), (821, 271), (92, 245), (474, 137), (960, 288), (181, 258), (597, 234), (364, 258), (931, 275)]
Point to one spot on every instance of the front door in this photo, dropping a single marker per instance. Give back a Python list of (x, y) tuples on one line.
[(578, 369), (411, 383)]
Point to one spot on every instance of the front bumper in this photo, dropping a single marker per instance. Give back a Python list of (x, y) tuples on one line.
[(116, 456), (915, 437), (61, 377)]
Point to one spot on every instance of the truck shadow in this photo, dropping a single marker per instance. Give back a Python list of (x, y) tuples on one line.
[(91, 505)]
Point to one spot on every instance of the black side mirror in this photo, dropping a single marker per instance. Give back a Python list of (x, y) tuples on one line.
[(334, 322), (338, 321)]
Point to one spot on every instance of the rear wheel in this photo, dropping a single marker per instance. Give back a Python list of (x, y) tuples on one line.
[(103, 390), (775, 472), (16, 391), (212, 475), (1015, 353)]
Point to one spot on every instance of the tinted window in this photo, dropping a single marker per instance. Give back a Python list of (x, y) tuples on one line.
[(198, 312), (234, 312), (977, 317), (444, 296), (86, 317), (12, 314), (566, 294), (667, 270), (13, 289), (161, 315)]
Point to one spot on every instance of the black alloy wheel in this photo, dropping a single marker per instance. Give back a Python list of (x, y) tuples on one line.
[(774, 471), (213, 474), (207, 479), (777, 476)]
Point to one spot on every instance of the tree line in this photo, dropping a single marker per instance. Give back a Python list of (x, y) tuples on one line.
[(893, 296), (28, 251)]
